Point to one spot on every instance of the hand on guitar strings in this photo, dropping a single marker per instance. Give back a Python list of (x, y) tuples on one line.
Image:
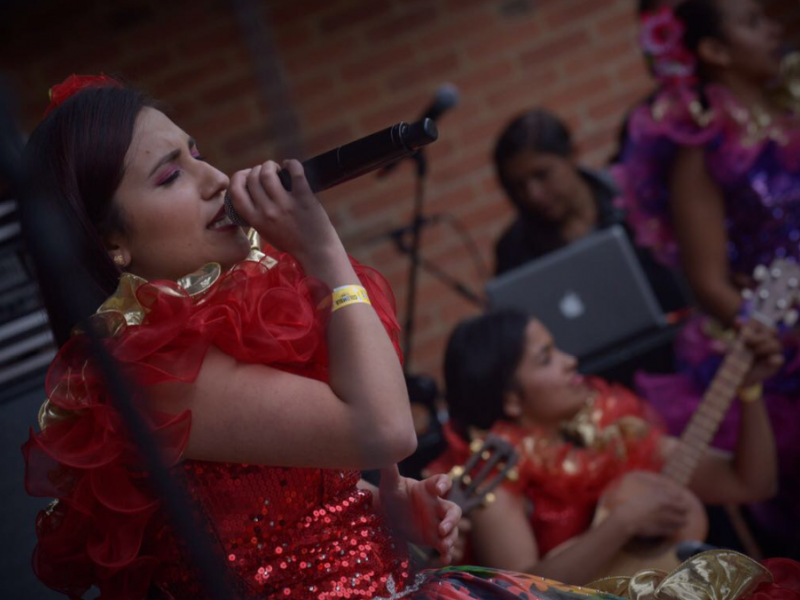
[(765, 345), (418, 511), (658, 510)]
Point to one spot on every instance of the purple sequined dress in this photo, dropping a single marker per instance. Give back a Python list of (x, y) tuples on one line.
[(756, 163)]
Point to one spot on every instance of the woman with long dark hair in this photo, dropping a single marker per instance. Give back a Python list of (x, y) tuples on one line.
[(711, 182), (557, 200), (575, 437), (269, 378)]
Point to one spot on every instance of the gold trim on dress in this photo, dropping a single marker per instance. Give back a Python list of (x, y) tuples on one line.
[(123, 309)]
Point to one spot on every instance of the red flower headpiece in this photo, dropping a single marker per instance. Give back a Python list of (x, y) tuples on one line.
[(74, 83), (661, 39)]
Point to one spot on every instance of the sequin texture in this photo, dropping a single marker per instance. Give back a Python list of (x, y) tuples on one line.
[(306, 534)]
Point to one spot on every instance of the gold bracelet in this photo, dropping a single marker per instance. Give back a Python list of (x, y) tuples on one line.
[(349, 294), (751, 394)]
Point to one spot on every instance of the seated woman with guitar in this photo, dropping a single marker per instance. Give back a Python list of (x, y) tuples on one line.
[(576, 436)]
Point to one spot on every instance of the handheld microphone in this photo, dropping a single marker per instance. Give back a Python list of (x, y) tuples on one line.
[(356, 158)]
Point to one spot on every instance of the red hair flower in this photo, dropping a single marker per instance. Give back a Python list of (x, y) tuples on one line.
[(75, 83), (661, 39)]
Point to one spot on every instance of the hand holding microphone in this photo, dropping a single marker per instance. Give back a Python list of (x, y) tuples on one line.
[(354, 159)]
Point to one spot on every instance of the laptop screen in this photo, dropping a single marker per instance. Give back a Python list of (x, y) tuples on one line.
[(591, 294)]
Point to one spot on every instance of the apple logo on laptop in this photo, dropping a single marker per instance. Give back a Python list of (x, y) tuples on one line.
[(571, 306)]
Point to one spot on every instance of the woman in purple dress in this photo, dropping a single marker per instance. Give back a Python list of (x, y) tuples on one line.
[(710, 174)]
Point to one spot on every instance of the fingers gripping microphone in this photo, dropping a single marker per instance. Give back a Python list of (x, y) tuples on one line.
[(356, 158)]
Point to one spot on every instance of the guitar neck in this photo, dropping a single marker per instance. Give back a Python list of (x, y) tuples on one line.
[(712, 410)]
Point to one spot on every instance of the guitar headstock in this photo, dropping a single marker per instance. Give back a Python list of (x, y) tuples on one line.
[(777, 295), (472, 484)]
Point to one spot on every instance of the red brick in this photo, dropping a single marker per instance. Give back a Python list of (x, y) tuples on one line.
[(576, 93), (233, 118), (379, 62), (475, 80), (615, 105), (293, 10), (354, 16), (434, 70), (455, 29), (556, 47), (615, 23), (508, 39), (322, 54), (313, 87), (518, 95), (564, 14), (596, 58), (189, 77), (351, 100), (410, 23), (231, 90), (386, 196), (462, 166), (389, 114)]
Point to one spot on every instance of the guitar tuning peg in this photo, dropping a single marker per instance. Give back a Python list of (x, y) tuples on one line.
[(763, 294), (791, 318), (776, 272), (783, 304), (747, 294), (761, 273)]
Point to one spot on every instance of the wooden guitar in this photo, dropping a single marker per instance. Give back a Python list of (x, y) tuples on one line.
[(492, 461), (778, 291)]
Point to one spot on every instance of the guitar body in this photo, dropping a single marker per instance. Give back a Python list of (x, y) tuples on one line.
[(772, 302), (642, 554)]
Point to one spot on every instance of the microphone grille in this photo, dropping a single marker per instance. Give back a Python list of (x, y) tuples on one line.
[(447, 95), (232, 214)]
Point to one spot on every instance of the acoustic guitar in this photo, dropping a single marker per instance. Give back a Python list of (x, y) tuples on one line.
[(492, 460), (772, 303)]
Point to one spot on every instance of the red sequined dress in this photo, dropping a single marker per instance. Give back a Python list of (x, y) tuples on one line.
[(307, 534)]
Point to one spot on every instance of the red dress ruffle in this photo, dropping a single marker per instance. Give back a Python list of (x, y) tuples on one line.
[(107, 527), (563, 481)]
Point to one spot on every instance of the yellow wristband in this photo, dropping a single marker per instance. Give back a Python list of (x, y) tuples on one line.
[(349, 294), (751, 394)]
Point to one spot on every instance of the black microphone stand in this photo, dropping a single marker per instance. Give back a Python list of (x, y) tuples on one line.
[(417, 220)]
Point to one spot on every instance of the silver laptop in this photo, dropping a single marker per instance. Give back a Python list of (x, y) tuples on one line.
[(591, 294)]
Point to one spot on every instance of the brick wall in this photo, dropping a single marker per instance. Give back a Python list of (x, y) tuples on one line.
[(352, 67)]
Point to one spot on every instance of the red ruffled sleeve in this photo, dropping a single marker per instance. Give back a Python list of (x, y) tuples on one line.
[(107, 528)]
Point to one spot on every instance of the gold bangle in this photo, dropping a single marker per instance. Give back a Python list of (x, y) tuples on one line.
[(751, 394), (349, 294)]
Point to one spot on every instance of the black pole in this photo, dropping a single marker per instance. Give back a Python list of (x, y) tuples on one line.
[(413, 273)]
